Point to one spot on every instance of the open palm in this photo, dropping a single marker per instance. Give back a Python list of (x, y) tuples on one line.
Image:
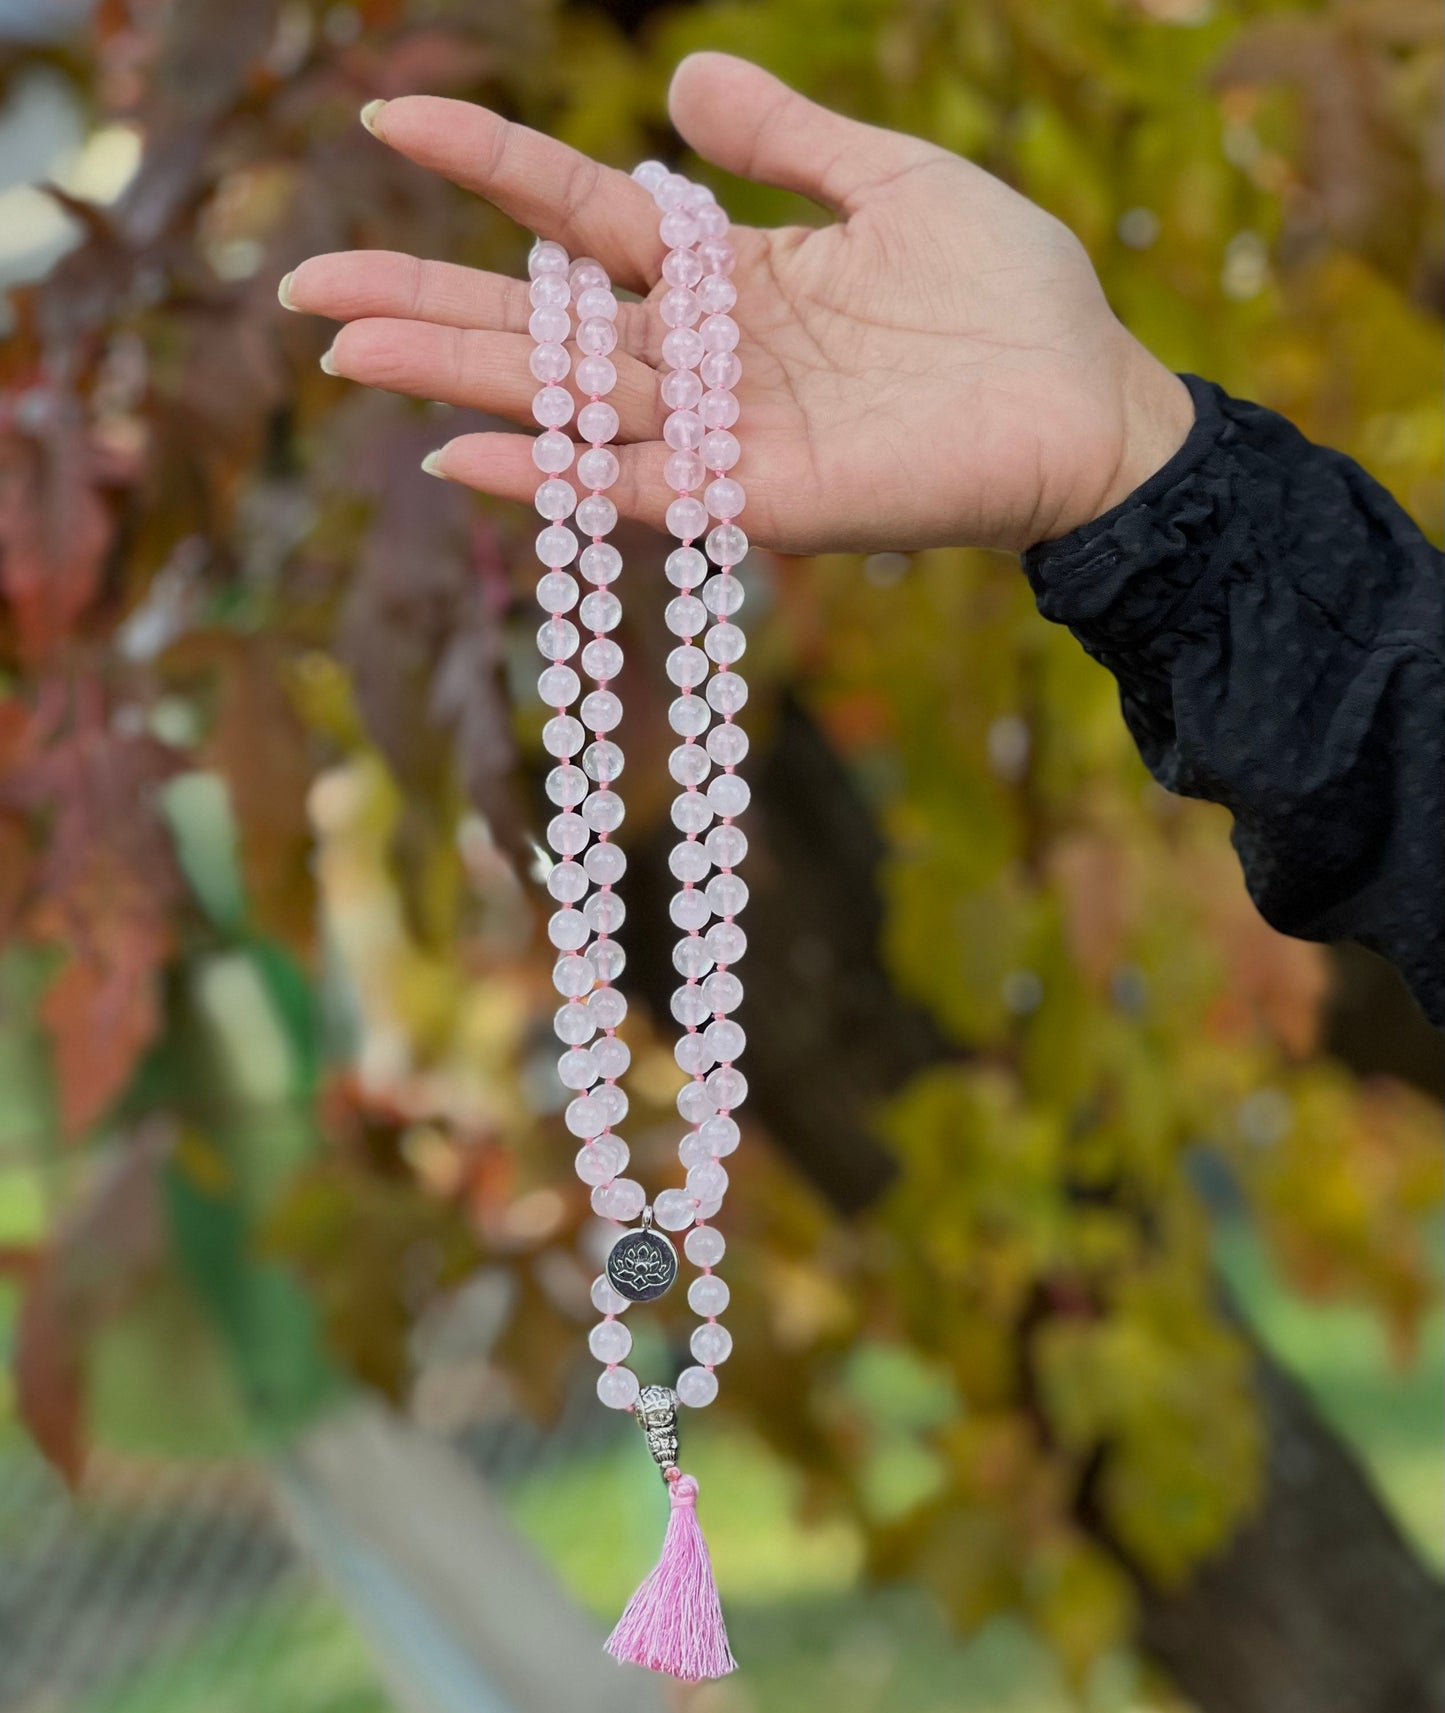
[(939, 365)]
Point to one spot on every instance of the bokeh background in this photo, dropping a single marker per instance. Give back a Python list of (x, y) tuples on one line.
[(1083, 1250)]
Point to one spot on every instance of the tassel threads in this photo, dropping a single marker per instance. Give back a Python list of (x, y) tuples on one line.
[(674, 1621)]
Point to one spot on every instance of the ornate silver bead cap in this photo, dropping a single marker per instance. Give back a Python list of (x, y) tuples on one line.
[(656, 1412)]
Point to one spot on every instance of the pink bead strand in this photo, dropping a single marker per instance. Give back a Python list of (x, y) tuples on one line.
[(595, 1008)]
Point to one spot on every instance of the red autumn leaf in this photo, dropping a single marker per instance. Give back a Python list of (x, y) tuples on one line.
[(48, 1371), (102, 1011), (55, 528), (106, 888), (110, 1240)]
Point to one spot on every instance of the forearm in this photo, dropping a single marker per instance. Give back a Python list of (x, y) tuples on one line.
[(1274, 621)]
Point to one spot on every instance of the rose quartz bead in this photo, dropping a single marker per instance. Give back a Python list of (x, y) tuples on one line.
[(605, 1299), (622, 1199), (681, 389), (600, 610), (597, 422), (726, 644), (586, 272), (696, 1387), (727, 545), (712, 222), (649, 174), (683, 431), (685, 615), (618, 1388), (549, 362), (725, 497), (727, 846), (728, 693), (687, 666), (689, 765), (689, 861), (670, 191), (557, 546), (678, 308), (720, 369), (601, 658), (600, 562), (696, 196), (727, 744), (596, 375), (683, 470), (568, 932), (557, 686), (705, 1246), (556, 592), (728, 795), (711, 1344), (553, 452), (563, 736), (596, 515), (549, 291), (673, 1210), (717, 294), (549, 325), (682, 348), (597, 338), (556, 499), (681, 268), (606, 864), (576, 1068), (601, 710), (598, 467), (596, 304), (722, 595), (717, 256), (552, 406), (609, 1340), (600, 1161), (719, 333), (718, 408), (720, 1135), (720, 450), (677, 229), (684, 567), (688, 715), (687, 518), (546, 257)]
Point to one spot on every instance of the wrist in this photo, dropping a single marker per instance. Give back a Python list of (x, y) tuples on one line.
[(1158, 413)]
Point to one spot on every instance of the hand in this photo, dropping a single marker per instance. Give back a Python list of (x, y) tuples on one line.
[(938, 366)]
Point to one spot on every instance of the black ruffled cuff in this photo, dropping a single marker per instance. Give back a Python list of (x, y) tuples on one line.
[(1142, 568)]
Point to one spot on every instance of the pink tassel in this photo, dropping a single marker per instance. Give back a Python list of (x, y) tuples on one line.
[(674, 1621)]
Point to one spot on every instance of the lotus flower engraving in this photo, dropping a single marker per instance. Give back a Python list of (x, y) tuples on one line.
[(641, 1265)]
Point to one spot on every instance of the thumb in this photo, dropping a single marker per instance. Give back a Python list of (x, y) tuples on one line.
[(749, 122)]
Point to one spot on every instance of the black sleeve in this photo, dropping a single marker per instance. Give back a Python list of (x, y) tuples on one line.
[(1274, 620)]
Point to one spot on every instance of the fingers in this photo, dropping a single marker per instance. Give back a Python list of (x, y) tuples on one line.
[(486, 371), (743, 118), (352, 285), (501, 464), (542, 184)]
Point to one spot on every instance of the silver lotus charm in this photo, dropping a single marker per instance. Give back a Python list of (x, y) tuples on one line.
[(641, 1265), (656, 1412)]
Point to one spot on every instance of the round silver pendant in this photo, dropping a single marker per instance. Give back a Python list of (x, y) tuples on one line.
[(641, 1265)]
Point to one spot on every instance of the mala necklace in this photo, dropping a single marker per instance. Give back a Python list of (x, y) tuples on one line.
[(674, 1621)]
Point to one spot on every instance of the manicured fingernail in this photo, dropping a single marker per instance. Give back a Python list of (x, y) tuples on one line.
[(432, 464), (283, 291), (369, 113), (328, 362)]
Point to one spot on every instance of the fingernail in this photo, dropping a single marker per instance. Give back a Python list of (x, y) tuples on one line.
[(369, 113), (432, 464), (283, 291), (328, 362)]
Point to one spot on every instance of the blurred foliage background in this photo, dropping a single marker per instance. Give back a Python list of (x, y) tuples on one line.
[(1060, 1161)]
